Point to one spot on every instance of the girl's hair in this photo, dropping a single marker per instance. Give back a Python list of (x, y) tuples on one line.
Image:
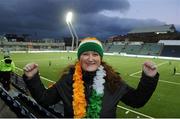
[(66, 70), (112, 77)]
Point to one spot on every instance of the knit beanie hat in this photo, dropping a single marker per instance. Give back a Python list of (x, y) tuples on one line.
[(90, 44)]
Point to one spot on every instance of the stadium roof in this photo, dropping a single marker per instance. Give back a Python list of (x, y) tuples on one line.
[(170, 42), (155, 29)]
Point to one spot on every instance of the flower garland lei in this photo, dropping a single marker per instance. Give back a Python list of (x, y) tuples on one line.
[(79, 101)]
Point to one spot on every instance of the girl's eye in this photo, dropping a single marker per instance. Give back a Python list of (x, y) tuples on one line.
[(95, 54), (85, 54)]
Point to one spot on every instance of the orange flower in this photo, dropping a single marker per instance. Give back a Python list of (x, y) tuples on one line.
[(79, 101)]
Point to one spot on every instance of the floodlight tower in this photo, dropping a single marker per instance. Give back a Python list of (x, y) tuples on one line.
[(74, 31), (68, 21)]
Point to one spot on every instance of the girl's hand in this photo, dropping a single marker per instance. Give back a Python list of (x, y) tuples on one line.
[(150, 68), (30, 70)]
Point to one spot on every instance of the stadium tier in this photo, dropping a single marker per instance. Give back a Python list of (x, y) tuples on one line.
[(18, 103), (153, 49), (137, 48), (171, 51)]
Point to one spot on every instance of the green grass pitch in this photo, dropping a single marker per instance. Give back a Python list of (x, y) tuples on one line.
[(164, 103)]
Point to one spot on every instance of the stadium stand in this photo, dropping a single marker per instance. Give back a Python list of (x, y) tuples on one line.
[(5, 110), (25, 46), (107, 46), (171, 51), (151, 38), (171, 48), (15, 105), (153, 49), (140, 49), (115, 48), (18, 103), (132, 49)]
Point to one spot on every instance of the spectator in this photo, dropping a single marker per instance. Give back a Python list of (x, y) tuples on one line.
[(91, 88), (6, 67)]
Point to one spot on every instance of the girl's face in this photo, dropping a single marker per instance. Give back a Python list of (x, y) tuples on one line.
[(90, 61)]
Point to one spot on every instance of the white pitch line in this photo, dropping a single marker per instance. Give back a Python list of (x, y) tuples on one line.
[(135, 73), (169, 82), (141, 71), (40, 76), (177, 73), (162, 63), (135, 112), (164, 81), (47, 79), (19, 68), (136, 76)]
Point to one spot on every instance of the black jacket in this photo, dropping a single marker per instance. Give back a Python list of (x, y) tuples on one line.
[(62, 90)]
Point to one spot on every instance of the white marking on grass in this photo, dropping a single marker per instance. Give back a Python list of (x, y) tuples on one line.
[(136, 76), (169, 82), (127, 112), (162, 63), (135, 112), (164, 81), (47, 79), (40, 76), (177, 73), (141, 71), (19, 68), (135, 73)]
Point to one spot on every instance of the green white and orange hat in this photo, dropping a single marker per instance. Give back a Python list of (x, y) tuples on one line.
[(90, 44)]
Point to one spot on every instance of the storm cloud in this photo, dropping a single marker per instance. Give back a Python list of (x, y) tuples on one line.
[(46, 18)]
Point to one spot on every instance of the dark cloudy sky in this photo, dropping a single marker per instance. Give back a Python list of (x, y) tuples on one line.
[(99, 18)]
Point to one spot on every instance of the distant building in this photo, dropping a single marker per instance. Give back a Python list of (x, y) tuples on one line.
[(154, 29), (149, 34), (14, 38), (68, 41)]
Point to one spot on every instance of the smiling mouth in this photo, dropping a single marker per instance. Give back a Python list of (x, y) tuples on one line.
[(92, 63)]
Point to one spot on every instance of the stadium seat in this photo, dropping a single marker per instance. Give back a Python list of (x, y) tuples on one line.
[(23, 105), (35, 107)]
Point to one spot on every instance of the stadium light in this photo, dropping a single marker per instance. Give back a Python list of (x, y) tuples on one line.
[(71, 29), (68, 21), (77, 39), (69, 17)]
